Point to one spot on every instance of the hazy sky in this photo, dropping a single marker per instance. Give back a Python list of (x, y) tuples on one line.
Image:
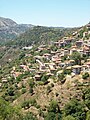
[(65, 13)]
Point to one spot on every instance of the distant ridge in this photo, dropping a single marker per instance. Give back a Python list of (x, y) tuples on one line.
[(4, 22), (9, 29)]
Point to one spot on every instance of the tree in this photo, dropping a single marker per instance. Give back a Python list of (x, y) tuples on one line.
[(76, 56), (23, 90), (69, 117), (7, 112), (53, 116), (31, 90), (25, 104), (67, 71), (85, 75), (53, 106), (29, 116), (61, 77), (88, 115), (76, 109), (50, 116), (86, 97), (21, 55), (44, 78), (54, 112), (48, 89), (31, 83)]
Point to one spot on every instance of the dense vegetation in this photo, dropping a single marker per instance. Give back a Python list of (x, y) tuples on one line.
[(41, 35), (73, 110)]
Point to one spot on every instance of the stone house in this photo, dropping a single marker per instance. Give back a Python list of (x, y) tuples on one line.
[(47, 56), (76, 69), (73, 50), (37, 77), (88, 65), (79, 43)]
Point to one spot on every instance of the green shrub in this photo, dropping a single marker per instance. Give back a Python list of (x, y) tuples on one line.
[(61, 77), (48, 89), (85, 75), (23, 90), (33, 102), (52, 85), (69, 117), (25, 104), (88, 115), (76, 109), (29, 116), (31, 90)]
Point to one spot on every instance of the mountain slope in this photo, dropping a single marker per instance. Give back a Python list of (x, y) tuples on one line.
[(10, 30), (33, 82), (40, 34), (6, 22)]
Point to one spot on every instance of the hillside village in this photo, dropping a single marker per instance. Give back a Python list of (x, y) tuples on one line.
[(58, 55), (59, 71)]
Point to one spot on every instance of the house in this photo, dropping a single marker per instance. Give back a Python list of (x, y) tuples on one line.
[(57, 43), (41, 47), (54, 58), (69, 40), (37, 77), (86, 49), (87, 45), (87, 53), (84, 68), (32, 70), (59, 72), (49, 74), (62, 44), (69, 68), (88, 65), (42, 67), (80, 51), (88, 26), (75, 33), (76, 69), (73, 50), (53, 52), (88, 60), (4, 80), (66, 52), (47, 56), (71, 62), (38, 57), (27, 48), (52, 67), (25, 68), (79, 43), (28, 55), (85, 34), (15, 74), (58, 61), (62, 65)]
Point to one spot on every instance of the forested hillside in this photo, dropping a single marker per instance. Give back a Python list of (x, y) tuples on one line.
[(41, 35)]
